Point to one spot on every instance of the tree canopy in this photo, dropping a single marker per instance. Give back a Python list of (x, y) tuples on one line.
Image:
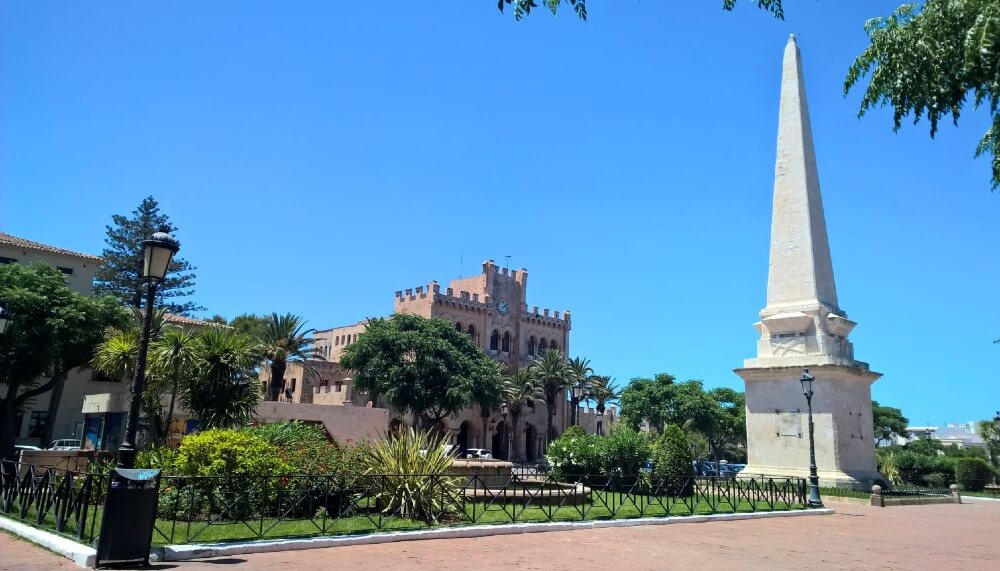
[(422, 366), (522, 8), (888, 422), (120, 275), (929, 59), (52, 330)]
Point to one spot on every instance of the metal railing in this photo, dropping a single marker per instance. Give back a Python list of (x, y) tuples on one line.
[(63, 501), (208, 509)]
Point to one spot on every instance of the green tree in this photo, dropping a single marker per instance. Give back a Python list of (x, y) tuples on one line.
[(283, 338), (673, 463), (929, 59), (421, 366), (224, 390), (602, 392), (990, 433), (729, 437), (582, 371), (120, 275), (52, 330), (553, 373), (519, 389), (175, 358), (643, 400), (889, 423)]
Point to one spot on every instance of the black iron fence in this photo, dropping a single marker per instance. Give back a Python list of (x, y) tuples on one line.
[(239, 507), (195, 510), (66, 502)]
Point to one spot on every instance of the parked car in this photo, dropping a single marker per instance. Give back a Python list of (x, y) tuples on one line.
[(480, 453), (65, 444), (20, 447)]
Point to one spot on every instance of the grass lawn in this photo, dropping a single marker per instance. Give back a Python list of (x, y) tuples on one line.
[(602, 505)]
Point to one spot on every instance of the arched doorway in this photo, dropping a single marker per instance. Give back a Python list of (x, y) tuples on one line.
[(501, 442), (462, 440), (530, 436)]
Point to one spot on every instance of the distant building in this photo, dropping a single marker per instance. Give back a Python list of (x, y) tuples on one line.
[(490, 307), (961, 434)]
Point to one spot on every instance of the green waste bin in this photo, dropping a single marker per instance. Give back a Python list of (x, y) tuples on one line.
[(128, 518)]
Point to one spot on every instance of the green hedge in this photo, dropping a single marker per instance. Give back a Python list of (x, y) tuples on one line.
[(973, 473)]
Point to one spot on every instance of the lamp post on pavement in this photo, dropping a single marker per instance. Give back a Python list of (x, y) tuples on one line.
[(814, 500), (578, 390), (504, 409), (158, 252)]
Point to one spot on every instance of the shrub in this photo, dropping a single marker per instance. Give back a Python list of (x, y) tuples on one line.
[(973, 473), (885, 460), (576, 454), (290, 433), (227, 452), (672, 465), (626, 451), (409, 472)]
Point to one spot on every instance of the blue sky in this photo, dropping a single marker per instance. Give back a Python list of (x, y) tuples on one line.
[(318, 157)]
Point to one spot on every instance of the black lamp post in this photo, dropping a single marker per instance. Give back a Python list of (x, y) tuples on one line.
[(158, 251), (577, 395), (504, 409), (4, 318), (814, 500)]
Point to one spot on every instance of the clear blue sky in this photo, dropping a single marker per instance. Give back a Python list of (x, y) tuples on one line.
[(316, 158)]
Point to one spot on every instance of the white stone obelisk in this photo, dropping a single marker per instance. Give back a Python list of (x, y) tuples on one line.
[(803, 326)]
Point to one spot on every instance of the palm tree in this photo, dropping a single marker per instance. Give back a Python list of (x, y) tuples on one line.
[(553, 374), (519, 389), (602, 392), (174, 355), (223, 392), (116, 355), (581, 376), (283, 339)]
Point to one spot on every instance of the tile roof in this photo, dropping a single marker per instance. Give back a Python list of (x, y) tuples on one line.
[(10, 240)]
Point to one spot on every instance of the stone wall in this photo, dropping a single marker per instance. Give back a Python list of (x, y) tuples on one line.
[(342, 423)]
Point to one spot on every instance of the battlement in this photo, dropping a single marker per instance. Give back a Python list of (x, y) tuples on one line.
[(519, 276), (547, 316)]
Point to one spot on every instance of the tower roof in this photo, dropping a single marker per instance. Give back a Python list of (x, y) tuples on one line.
[(800, 271)]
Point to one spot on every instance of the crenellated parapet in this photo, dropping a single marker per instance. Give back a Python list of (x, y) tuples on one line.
[(546, 317)]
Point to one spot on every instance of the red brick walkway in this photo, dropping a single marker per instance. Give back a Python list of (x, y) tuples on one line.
[(858, 537)]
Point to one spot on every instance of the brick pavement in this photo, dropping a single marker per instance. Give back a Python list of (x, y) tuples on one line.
[(857, 537)]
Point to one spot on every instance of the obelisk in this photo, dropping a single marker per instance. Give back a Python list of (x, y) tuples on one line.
[(802, 325)]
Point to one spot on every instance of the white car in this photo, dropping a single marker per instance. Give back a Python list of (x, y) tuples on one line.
[(480, 453), (65, 444), (22, 447)]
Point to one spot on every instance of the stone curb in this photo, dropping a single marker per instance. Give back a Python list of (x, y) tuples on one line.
[(200, 551), (79, 553)]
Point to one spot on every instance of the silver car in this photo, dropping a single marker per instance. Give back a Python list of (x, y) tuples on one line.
[(480, 453), (65, 444)]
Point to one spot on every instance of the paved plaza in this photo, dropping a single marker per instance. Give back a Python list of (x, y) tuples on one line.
[(857, 537)]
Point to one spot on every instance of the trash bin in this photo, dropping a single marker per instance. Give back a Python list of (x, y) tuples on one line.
[(128, 518)]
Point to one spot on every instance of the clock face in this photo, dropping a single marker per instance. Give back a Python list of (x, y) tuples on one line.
[(503, 306)]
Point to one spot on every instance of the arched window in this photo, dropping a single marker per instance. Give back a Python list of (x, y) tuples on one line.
[(336, 340), (472, 331), (495, 340), (553, 346), (542, 346), (506, 342), (531, 345), (458, 327)]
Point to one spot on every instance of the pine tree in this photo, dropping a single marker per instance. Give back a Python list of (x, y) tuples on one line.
[(121, 273)]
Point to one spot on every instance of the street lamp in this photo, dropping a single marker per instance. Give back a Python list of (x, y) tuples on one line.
[(814, 500), (504, 409), (578, 390), (600, 422), (158, 251), (4, 318)]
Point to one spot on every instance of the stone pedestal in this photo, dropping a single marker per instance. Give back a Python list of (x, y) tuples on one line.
[(778, 423)]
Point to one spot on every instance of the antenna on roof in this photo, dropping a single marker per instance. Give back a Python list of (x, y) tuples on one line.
[(507, 262), (461, 256)]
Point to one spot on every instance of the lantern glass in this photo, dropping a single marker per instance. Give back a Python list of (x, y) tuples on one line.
[(807, 382), (504, 408), (577, 391), (158, 252)]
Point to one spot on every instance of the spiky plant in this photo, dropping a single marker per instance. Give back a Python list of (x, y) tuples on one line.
[(408, 474)]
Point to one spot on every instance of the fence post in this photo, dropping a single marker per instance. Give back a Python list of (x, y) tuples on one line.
[(878, 499), (955, 488)]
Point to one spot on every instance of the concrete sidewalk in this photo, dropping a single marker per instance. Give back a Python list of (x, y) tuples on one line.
[(857, 537)]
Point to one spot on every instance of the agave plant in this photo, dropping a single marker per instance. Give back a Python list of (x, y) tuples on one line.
[(408, 471)]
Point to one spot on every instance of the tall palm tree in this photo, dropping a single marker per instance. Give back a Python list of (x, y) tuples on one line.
[(581, 377), (174, 355), (603, 393), (224, 392), (283, 338), (116, 355), (553, 374), (519, 389)]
